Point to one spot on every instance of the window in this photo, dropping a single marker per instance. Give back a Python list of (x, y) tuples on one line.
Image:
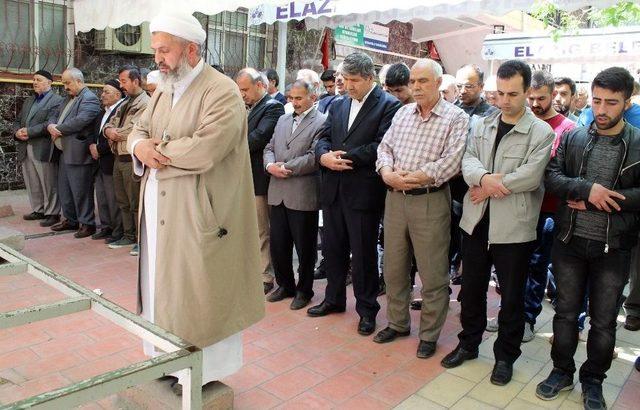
[(233, 44), (43, 46)]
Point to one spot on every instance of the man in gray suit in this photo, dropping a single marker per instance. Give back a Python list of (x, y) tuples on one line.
[(36, 151), (71, 130), (293, 195)]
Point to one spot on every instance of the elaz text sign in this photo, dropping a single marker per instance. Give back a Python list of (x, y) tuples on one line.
[(300, 10)]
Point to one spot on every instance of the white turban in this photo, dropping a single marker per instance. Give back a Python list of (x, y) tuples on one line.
[(180, 25), (153, 77)]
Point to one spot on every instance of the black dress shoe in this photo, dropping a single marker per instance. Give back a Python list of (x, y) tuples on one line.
[(84, 231), (426, 349), (50, 221), (320, 272), (64, 226), (299, 301), (416, 304), (632, 323), (33, 216), (502, 372), (279, 294), (457, 357), (102, 234), (387, 335), (366, 326), (324, 309), (268, 287)]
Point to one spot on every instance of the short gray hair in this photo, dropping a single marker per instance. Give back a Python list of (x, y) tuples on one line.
[(358, 64), (432, 64), (310, 88), (76, 74), (254, 75), (541, 78)]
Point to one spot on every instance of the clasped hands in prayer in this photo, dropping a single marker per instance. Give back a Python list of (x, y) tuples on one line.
[(401, 180), (145, 151)]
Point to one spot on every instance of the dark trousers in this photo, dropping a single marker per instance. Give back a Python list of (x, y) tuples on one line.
[(127, 190), (455, 244), (75, 189), (108, 210), (539, 268), (291, 228), (511, 262), (576, 264), (352, 231)]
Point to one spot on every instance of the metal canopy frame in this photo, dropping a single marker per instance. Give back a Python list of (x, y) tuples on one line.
[(179, 355)]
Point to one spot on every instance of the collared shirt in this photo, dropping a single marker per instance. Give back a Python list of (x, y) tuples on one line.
[(434, 145), (297, 118), (481, 108), (356, 106), (39, 97), (107, 112), (257, 102)]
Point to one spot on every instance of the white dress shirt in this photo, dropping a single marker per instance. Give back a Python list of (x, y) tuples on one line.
[(356, 106)]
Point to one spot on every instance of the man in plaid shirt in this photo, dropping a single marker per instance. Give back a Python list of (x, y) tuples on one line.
[(418, 155)]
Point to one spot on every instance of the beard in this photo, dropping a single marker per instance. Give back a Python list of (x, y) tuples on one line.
[(561, 109), (176, 74), (611, 123), (541, 111)]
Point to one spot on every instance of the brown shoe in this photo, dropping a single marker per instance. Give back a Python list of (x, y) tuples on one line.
[(64, 226), (84, 231), (632, 323)]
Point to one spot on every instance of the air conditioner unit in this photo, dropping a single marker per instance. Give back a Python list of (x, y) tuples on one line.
[(125, 39)]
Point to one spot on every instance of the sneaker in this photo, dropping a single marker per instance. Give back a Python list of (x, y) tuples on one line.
[(592, 397), (135, 251), (529, 334), (121, 243), (558, 381), (112, 239), (492, 325)]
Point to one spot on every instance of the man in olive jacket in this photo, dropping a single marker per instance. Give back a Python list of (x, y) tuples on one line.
[(504, 163)]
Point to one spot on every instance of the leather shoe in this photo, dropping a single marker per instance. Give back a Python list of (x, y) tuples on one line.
[(632, 323), (268, 287), (366, 326), (324, 309), (279, 294), (64, 226), (426, 349), (502, 372), (387, 335), (33, 216), (457, 357), (84, 231), (51, 220), (299, 301), (103, 234), (320, 272)]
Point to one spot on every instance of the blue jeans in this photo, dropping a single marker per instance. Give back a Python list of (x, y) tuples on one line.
[(577, 264), (539, 268)]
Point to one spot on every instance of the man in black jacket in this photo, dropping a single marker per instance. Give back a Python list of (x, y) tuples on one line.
[(596, 176), (264, 112), (352, 193), (110, 215)]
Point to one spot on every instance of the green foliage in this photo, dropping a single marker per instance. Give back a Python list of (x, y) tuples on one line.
[(560, 22)]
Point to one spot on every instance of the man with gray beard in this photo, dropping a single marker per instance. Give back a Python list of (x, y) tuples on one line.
[(198, 227)]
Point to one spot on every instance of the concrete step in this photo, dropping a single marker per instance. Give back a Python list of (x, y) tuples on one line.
[(158, 395), (12, 238)]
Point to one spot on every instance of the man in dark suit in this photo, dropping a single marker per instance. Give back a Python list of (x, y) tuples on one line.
[(293, 195), (272, 88), (110, 216), (352, 194), (36, 151), (264, 112), (72, 129)]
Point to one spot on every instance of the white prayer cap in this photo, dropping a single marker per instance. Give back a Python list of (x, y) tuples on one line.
[(180, 25), (490, 84), (153, 77)]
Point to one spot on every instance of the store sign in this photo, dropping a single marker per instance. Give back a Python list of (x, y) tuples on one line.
[(570, 47), (373, 36), (294, 10)]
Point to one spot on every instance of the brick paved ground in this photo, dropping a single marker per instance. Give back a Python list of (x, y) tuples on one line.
[(291, 361)]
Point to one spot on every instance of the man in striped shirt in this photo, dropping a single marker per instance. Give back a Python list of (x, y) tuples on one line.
[(418, 155)]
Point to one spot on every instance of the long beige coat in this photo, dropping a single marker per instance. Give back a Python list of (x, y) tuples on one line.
[(207, 284)]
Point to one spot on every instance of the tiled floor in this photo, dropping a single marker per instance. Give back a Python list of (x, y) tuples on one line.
[(291, 361)]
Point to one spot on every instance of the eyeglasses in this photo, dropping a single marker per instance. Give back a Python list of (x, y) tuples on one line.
[(466, 86)]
